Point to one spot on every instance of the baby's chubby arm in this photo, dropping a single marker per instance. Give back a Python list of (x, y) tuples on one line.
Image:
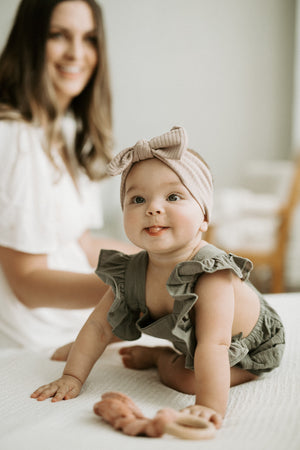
[(91, 342), (214, 313)]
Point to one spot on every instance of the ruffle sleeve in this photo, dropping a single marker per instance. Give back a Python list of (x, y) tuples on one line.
[(123, 315), (26, 215)]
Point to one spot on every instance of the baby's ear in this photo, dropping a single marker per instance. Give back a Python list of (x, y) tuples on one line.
[(204, 226)]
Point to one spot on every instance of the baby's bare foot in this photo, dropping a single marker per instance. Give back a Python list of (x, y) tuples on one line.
[(141, 357)]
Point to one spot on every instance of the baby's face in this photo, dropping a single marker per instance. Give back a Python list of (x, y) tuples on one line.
[(160, 214)]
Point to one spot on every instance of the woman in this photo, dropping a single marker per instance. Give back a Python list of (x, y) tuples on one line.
[(55, 140)]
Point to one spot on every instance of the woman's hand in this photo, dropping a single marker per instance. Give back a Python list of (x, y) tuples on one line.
[(64, 388), (207, 413)]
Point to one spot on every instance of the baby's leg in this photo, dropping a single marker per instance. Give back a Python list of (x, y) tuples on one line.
[(62, 353), (169, 363), (240, 376), (171, 367)]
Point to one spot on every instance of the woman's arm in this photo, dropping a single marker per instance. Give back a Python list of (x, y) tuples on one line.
[(214, 312), (91, 342), (35, 285)]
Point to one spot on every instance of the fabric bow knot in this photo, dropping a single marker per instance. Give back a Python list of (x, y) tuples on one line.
[(170, 148), (170, 145)]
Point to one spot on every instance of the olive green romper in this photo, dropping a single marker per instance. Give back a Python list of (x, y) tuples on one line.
[(259, 352)]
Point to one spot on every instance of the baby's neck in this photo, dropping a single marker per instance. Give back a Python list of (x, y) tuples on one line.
[(166, 262)]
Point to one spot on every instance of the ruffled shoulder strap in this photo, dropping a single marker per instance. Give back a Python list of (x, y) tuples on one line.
[(209, 259), (126, 276), (111, 269)]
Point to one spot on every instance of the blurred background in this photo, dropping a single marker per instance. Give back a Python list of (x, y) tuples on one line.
[(229, 72)]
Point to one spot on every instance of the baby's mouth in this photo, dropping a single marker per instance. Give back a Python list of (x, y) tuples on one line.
[(155, 230)]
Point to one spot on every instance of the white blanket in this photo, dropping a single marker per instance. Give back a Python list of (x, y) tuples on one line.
[(261, 415)]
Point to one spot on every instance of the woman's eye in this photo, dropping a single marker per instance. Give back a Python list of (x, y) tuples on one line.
[(92, 40), (173, 197), (55, 35), (138, 200)]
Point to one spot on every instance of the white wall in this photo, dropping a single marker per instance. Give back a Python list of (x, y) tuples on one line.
[(223, 69), (293, 260), (7, 10), (296, 98)]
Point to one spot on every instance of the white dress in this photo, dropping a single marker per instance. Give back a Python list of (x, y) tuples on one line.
[(41, 212)]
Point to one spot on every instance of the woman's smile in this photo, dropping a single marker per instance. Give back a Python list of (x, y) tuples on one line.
[(69, 70)]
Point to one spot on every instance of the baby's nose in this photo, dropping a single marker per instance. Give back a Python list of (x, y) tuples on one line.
[(153, 212)]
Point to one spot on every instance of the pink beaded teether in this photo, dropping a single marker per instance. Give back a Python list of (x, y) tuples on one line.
[(121, 412)]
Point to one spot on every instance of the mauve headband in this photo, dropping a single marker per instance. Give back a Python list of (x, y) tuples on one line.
[(171, 149)]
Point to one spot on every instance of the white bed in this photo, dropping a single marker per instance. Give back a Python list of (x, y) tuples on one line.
[(263, 414)]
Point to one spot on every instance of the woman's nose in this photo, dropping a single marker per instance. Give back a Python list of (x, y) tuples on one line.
[(75, 48)]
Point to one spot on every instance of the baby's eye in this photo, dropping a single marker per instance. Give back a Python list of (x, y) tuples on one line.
[(138, 200), (173, 197)]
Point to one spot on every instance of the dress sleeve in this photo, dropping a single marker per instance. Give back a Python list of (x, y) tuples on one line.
[(26, 211), (112, 267)]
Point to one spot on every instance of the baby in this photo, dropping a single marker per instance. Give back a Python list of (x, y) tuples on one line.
[(179, 288)]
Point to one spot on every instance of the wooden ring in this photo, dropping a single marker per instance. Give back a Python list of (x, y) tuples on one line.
[(187, 426)]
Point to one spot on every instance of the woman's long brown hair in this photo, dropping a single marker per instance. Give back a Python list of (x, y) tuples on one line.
[(27, 94)]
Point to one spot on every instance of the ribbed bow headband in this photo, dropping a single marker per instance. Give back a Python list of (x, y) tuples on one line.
[(171, 149)]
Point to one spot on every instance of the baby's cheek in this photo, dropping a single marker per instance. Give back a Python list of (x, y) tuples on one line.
[(132, 228)]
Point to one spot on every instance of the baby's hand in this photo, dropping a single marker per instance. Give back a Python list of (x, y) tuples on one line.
[(207, 413), (64, 388)]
